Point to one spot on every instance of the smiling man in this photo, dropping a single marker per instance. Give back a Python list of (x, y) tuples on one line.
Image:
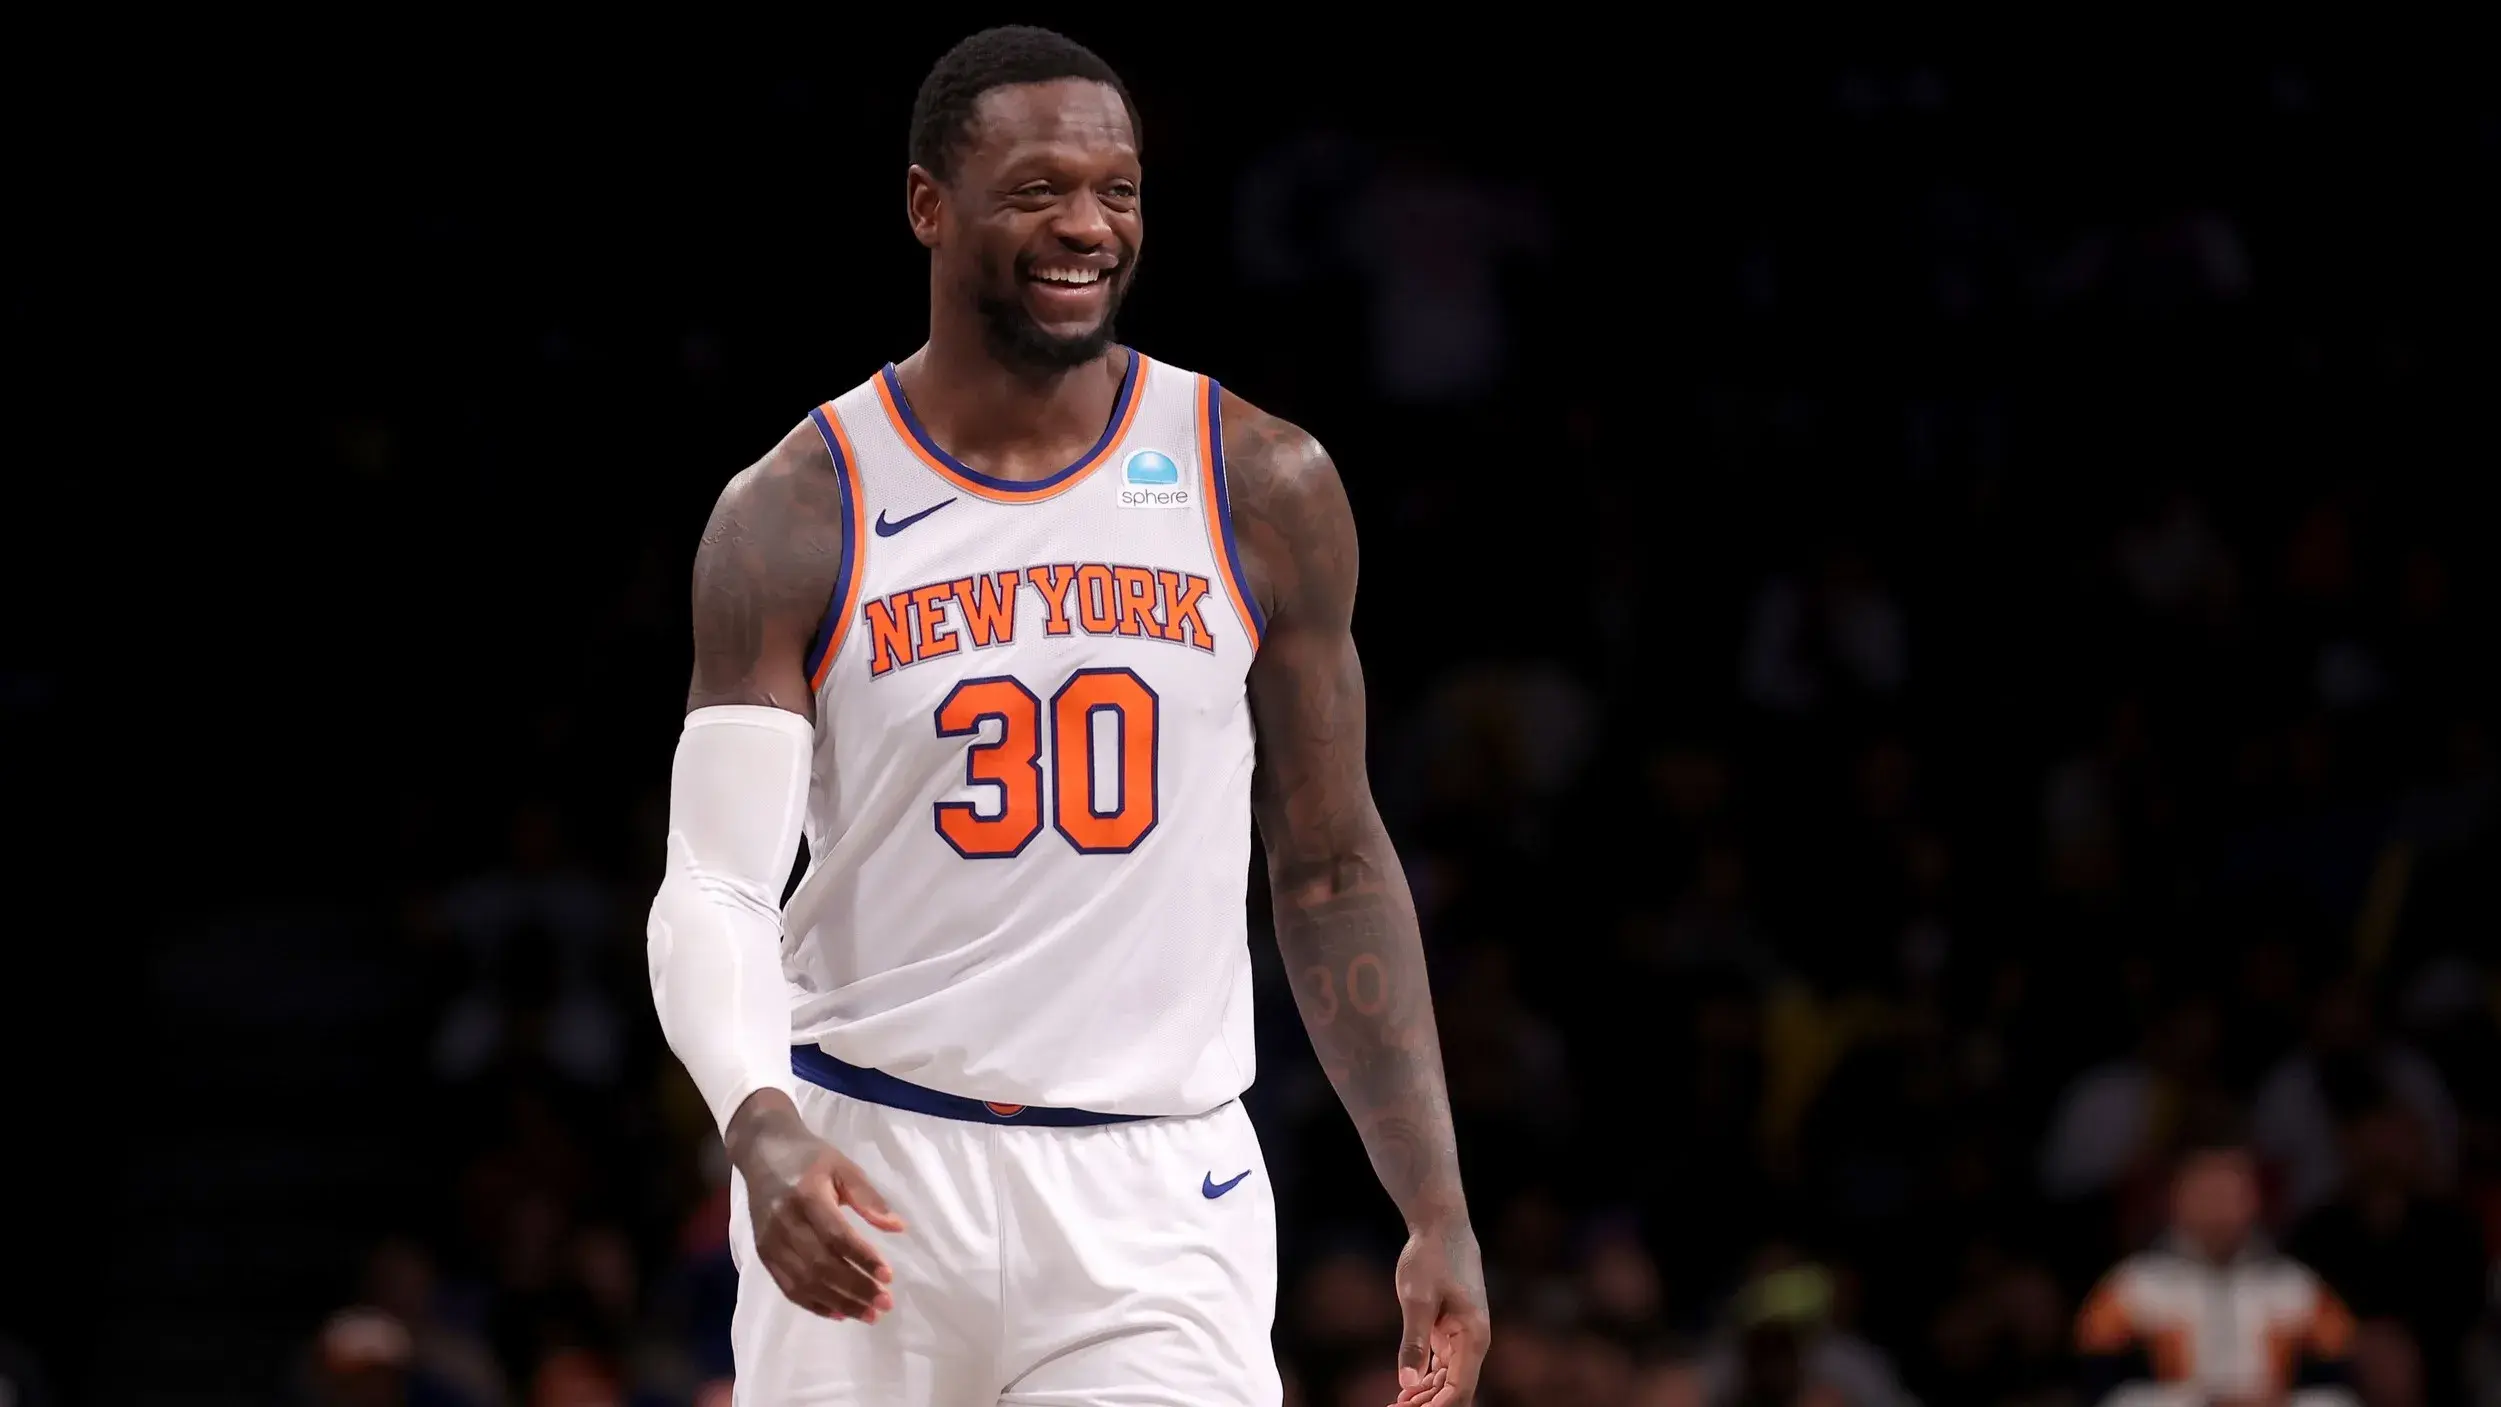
[(1021, 634)]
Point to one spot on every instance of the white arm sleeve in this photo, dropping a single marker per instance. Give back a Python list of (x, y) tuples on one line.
[(737, 796)]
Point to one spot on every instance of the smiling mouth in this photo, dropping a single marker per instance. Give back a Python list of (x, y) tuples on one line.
[(1068, 278)]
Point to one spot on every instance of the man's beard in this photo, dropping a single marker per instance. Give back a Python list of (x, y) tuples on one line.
[(1021, 345)]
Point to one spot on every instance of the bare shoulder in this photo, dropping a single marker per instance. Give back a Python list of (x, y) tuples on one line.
[(794, 481), (765, 570), (1271, 462), (1290, 513)]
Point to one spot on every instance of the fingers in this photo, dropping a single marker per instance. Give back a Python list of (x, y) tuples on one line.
[(1460, 1340), (817, 1257), (855, 1193), (823, 1209), (802, 1289), (1432, 1384), (812, 1277), (836, 1256)]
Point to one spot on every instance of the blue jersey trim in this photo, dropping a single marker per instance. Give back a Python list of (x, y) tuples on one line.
[(822, 647), (1224, 510), (1120, 415), (813, 1065)]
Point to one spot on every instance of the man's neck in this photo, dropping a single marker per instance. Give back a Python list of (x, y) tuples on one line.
[(2221, 1253), (2198, 1248), (998, 417)]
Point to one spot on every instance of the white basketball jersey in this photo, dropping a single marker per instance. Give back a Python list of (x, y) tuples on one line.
[(1029, 824)]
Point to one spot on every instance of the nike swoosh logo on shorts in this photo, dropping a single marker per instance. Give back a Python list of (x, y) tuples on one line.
[(886, 529), (1212, 1189)]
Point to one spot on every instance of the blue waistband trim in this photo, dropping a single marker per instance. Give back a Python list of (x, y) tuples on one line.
[(877, 1087)]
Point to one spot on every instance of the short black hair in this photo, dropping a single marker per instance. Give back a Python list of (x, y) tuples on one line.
[(942, 115), (2211, 1131)]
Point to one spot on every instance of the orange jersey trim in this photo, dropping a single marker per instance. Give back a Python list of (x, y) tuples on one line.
[(854, 546), (1220, 511)]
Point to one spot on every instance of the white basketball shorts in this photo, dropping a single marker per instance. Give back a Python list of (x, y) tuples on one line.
[(1113, 1265)]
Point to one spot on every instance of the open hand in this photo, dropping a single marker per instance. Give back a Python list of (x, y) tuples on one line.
[(797, 1187)]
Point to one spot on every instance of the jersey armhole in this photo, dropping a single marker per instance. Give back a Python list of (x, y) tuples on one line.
[(830, 631), (1220, 511)]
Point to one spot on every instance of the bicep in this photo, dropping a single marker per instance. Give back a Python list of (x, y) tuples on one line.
[(764, 575), (746, 648), (1311, 793)]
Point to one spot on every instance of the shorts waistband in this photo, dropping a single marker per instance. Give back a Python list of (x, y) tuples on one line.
[(813, 1065)]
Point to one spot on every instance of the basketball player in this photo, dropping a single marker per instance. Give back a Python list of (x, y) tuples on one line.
[(1020, 634)]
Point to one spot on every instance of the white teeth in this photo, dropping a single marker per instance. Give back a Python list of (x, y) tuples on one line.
[(1079, 276)]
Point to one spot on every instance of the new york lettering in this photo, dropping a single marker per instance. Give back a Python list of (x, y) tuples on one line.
[(977, 612)]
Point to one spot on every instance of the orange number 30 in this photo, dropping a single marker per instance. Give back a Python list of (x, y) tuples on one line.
[(1097, 814)]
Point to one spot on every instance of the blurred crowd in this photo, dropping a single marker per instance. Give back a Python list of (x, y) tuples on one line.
[(1987, 692)]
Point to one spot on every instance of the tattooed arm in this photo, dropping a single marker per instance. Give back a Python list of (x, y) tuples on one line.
[(763, 574), (769, 561), (1346, 926)]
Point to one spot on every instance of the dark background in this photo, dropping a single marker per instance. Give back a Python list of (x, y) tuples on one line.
[(1901, 582)]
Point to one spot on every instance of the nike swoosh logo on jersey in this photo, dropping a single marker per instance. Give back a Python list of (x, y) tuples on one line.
[(1212, 1189), (886, 529)]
